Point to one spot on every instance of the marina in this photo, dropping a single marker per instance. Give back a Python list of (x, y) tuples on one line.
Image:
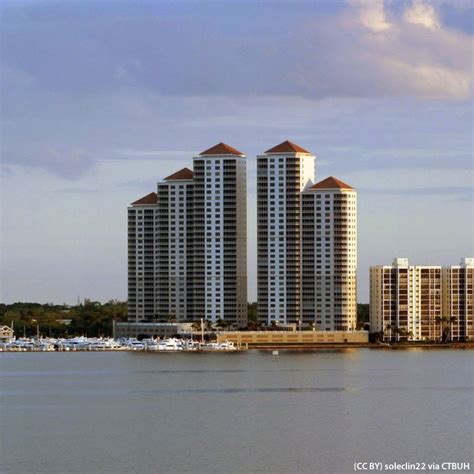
[(109, 344)]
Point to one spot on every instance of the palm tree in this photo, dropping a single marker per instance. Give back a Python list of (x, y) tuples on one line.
[(222, 324), (389, 329), (451, 320), (438, 321), (403, 332), (196, 325)]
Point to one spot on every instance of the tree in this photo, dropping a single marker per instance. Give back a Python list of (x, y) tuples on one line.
[(253, 325), (252, 314), (451, 320), (196, 325), (363, 314), (439, 321), (222, 324), (90, 318)]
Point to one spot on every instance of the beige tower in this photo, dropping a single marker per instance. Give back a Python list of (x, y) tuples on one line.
[(329, 255), (174, 247), (282, 173), (220, 235), (142, 216)]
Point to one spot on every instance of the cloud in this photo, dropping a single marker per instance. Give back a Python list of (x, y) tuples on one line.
[(423, 14), (130, 153), (77, 190), (141, 184), (409, 55), (5, 170), (64, 161), (81, 85), (463, 192), (366, 49), (371, 14)]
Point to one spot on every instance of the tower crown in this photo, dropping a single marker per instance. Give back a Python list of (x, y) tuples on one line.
[(331, 183), (182, 174), (221, 149), (151, 198), (287, 147)]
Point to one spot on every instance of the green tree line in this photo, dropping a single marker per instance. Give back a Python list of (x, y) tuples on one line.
[(92, 318)]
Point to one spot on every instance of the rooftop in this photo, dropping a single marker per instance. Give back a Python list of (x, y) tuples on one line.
[(331, 183), (221, 149), (182, 174), (287, 147), (151, 198)]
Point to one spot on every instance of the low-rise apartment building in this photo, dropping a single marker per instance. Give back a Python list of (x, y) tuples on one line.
[(421, 303), (458, 300)]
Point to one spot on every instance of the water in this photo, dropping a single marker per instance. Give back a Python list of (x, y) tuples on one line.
[(241, 412)]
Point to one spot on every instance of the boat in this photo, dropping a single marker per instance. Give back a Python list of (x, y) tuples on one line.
[(171, 345)]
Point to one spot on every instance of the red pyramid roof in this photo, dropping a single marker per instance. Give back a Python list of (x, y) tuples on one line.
[(221, 149), (185, 173), (151, 198), (331, 183), (287, 147)]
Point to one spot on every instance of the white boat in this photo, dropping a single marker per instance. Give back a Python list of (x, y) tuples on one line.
[(136, 346), (171, 345), (191, 345), (227, 346), (151, 345)]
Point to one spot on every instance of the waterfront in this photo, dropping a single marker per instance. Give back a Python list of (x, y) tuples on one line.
[(238, 412)]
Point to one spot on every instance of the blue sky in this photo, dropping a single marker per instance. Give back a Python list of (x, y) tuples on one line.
[(102, 99)]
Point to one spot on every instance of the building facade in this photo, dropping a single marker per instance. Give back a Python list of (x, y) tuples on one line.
[(283, 172), (174, 248), (458, 300), (422, 303), (329, 256), (142, 219), (220, 233), (405, 301), (188, 243)]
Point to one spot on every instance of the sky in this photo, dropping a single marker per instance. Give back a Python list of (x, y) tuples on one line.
[(102, 99)]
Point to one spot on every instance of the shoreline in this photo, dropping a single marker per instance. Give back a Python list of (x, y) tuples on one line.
[(457, 345), (277, 347)]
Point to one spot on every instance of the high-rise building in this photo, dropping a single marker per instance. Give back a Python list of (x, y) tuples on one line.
[(220, 235), (142, 216), (406, 301), (283, 172), (458, 300), (188, 243), (174, 247), (329, 256)]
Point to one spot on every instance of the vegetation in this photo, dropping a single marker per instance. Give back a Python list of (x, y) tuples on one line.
[(93, 319), (90, 318), (363, 316), (252, 317)]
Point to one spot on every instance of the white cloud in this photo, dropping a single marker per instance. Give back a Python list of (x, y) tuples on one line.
[(423, 14), (371, 14), (412, 55)]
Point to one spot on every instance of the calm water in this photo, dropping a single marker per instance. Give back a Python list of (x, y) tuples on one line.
[(247, 412)]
